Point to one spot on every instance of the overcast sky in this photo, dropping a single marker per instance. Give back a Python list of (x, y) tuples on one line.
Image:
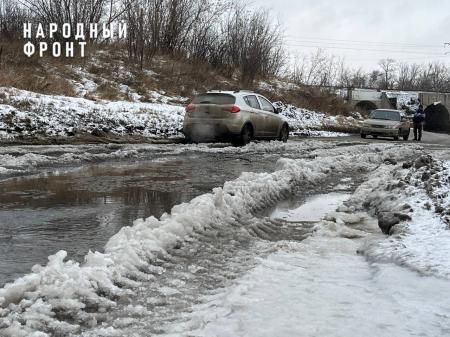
[(364, 31)]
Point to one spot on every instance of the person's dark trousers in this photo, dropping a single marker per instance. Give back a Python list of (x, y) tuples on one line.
[(418, 131)]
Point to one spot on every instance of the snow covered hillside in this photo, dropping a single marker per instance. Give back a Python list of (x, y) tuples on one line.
[(28, 114), (24, 113)]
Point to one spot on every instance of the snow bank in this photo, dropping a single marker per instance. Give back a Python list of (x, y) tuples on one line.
[(348, 279), (321, 287), (319, 133), (29, 114), (60, 298), (405, 99), (421, 193), (306, 121)]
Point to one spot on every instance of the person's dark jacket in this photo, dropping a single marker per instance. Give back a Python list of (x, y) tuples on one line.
[(419, 116)]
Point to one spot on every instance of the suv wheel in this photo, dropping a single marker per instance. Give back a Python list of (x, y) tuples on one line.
[(284, 133), (246, 134)]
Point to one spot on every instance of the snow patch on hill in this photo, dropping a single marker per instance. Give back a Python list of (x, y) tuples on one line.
[(305, 122), (27, 114)]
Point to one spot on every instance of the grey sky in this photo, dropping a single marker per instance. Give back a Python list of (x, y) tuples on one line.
[(410, 31)]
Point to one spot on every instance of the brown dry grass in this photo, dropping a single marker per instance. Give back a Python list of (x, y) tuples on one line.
[(175, 76), (106, 91), (31, 73)]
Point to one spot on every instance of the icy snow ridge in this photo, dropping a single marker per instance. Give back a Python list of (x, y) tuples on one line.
[(323, 287), (22, 160), (420, 244)]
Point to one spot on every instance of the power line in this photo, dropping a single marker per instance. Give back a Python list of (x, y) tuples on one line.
[(352, 44), (398, 44), (366, 49)]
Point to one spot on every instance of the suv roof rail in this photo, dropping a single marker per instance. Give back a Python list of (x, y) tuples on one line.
[(244, 90)]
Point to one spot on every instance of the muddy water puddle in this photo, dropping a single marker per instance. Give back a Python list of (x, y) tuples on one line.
[(79, 209)]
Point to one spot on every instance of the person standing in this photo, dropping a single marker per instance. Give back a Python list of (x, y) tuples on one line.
[(418, 119)]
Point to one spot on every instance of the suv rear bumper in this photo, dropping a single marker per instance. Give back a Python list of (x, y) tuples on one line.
[(210, 130)]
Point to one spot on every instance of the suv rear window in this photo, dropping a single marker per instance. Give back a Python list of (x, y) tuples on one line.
[(220, 99)]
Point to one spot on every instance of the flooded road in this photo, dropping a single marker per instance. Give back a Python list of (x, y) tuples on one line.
[(254, 250), (79, 209)]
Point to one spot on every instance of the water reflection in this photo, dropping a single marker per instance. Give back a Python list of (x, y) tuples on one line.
[(81, 209)]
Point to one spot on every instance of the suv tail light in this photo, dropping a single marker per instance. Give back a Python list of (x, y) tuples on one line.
[(235, 109), (190, 107)]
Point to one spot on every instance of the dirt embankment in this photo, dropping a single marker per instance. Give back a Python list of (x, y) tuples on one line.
[(87, 138)]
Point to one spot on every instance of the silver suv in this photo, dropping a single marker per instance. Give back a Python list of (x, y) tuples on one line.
[(237, 116)]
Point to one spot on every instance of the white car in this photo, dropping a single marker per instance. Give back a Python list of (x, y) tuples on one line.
[(387, 123)]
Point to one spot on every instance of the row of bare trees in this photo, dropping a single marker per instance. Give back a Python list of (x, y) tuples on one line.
[(223, 33), (431, 76), (12, 17), (321, 69)]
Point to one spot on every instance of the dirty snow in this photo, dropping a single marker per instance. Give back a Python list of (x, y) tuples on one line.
[(405, 99), (308, 122), (28, 304), (321, 287), (345, 279), (422, 243)]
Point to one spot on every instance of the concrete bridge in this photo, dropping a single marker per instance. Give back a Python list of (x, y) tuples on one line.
[(370, 99)]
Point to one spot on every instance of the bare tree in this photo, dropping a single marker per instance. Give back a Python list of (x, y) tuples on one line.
[(388, 67), (359, 79), (408, 76), (74, 12), (12, 16), (321, 69), (251, 43), (375, 79)]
